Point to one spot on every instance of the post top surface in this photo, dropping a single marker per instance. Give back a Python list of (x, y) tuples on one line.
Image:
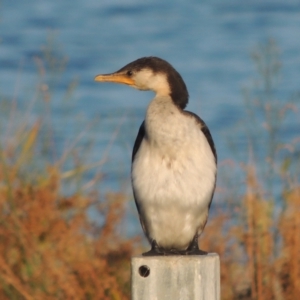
[(175, 257)]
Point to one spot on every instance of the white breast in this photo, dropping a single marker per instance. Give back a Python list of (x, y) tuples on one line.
[(173, 176)]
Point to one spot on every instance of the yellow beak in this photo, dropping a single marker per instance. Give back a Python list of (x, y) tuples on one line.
[(115, 77)]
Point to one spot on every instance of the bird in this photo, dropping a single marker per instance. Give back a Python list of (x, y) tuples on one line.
[(174, 160)]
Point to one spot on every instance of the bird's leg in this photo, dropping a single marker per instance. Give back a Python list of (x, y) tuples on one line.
[(155, 251), (193, 248)]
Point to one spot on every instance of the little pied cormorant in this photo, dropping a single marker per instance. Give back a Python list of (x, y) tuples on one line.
[(174, 161)]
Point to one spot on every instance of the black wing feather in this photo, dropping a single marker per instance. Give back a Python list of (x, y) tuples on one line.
[(206, 132), (210, 140), (137, 144), (138, 140)]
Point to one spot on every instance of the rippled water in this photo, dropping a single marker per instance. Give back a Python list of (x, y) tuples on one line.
[(208, 42)]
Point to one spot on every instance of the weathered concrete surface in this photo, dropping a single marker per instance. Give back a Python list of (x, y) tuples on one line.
[(175, 277)]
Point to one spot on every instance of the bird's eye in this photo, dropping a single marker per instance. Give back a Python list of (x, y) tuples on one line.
[(129, 73)]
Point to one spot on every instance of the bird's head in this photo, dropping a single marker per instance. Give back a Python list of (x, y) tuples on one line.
[(151, 73)]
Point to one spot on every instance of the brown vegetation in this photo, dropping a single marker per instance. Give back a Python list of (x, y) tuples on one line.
[(259, 252), (50, 249), (258, 237)]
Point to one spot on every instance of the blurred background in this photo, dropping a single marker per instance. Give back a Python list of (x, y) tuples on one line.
[(67, 209)]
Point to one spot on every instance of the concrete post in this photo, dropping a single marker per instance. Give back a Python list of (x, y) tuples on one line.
[(175, 277)]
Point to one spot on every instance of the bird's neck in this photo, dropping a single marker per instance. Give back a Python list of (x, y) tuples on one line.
[(163, 120)]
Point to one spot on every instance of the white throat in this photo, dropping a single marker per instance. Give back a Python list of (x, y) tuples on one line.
[(164, 122)]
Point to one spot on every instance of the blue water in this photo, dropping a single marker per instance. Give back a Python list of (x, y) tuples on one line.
[(208, 42)]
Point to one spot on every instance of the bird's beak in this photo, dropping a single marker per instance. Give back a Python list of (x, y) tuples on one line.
[(115, 77)]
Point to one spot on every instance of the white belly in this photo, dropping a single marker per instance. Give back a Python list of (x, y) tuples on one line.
[(173, 186)]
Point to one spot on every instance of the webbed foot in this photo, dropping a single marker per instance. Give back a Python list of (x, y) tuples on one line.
[(155, 251), (193, 248)]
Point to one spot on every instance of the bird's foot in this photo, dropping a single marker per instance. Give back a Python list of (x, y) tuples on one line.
[(193, 248), (195, 252), (155, 250)]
